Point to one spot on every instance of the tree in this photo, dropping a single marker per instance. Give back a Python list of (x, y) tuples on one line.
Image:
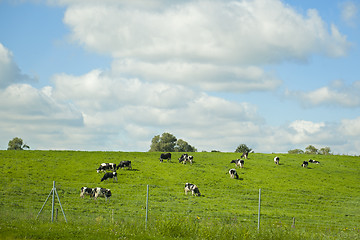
[(242, 148), (183, 146), (165, 143), (325, 151), (155, 144), (17, 144), (296, 151), (168, 143), (311, 150)]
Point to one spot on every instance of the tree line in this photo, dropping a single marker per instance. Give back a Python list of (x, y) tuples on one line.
[(169, 143), (312, 150)]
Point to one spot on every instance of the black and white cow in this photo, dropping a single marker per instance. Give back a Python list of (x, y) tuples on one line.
[(189, 187), (183, 157), (108, 175), (313, 161), (245, 155), (165, 156), (86, 191), (276, 160), (238, 162), (186, 158), (190, 159), (102, 192), (123, 164), (233, 173), (305, 164), (106, 167)]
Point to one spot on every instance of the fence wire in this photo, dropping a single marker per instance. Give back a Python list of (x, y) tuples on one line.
[(128, 202)]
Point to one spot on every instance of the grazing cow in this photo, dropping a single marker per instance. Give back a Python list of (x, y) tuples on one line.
[(106, 167), (245, 155), (165, 156), (238, 162), (86, 191), (123, 164), (233, 173), (102, 192), (183, 157), (189, 187), (190, 159), (305, 164), (108, 175), (313, 161), (186, 158), (276, 160)]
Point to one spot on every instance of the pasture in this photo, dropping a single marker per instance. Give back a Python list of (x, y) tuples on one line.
[(324, 198)]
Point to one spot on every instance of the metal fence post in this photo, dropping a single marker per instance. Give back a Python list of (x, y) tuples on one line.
[(259, 209), (53, 192), (147, 205), (53, 202)]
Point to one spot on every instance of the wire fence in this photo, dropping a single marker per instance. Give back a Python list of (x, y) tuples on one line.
[(279, 209), (241, 206)]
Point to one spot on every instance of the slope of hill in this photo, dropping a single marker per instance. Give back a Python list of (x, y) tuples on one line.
[(323, 199)]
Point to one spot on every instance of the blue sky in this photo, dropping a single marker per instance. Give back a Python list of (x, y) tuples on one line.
[(110, 75)]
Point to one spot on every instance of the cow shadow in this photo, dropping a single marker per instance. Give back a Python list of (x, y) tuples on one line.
[(126, 170), (133, 170)]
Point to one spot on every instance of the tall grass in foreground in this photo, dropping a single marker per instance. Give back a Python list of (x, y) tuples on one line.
[(170, 228)]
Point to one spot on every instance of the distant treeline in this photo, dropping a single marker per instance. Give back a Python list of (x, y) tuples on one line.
[(312, 150)]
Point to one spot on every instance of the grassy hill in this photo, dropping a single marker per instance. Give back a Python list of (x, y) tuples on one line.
[(324, 199)]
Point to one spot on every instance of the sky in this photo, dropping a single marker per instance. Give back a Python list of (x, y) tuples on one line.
[(109, 75)]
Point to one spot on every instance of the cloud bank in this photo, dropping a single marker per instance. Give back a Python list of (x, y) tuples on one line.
[(169, 62)]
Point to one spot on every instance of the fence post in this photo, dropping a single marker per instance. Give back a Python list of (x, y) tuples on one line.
[(53, 202), (147, 205), (293, 225), (112, 216), (53, 192), (259, 209)]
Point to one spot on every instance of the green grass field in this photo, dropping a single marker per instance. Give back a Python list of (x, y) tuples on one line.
[(324, 199)]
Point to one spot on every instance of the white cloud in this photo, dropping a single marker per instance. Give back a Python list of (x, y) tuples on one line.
[(100, 91), (9, 71), (306, 127), (211, 45), (349, 12), (135, 109), (25, 104), (36, 117), (350, 127), (335, 94), (247, 32), (205, 76)]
